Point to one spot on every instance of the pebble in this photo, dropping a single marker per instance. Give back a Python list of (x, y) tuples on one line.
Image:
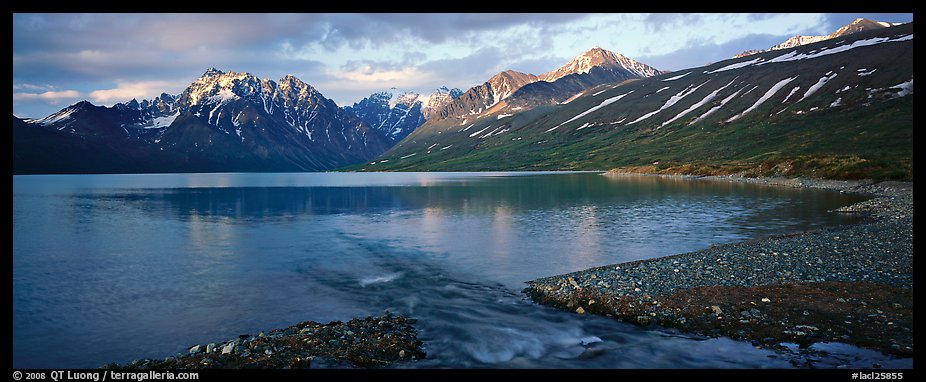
[(579, 310), (882, 243), (878, 250)]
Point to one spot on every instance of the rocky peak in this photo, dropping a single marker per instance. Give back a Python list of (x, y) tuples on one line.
[(439, 98), (211, 72), (858, 25), (215, 84), (596, 56)]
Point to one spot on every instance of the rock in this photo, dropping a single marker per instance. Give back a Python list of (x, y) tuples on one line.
[(766, 300), (268, 352), (644, 320), (210, 347), (589, 340), (716, 310), (401, 353), (573, 282), (841, 299), (579, 310), (196, 349), (228, 349)]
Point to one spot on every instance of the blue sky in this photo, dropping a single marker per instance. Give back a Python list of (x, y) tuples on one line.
[(59, 59)]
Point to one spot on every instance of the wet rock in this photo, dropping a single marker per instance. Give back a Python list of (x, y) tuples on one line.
[(589, 340), (579, 310)]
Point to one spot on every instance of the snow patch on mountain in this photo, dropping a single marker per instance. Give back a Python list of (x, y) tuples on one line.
[(675, 77), (599, 106), (822, 81), (672, 101), (768, 94), (698, 104)]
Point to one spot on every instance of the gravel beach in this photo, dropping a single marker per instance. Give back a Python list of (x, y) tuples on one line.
[(359, 343), (849, 284)]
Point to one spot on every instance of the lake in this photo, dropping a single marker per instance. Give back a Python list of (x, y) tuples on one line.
[(111, 268)]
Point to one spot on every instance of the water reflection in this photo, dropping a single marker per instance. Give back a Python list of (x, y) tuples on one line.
[(169, 260)]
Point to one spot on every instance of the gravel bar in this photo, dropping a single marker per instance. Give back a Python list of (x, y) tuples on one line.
[(850, 284), (370, 342)]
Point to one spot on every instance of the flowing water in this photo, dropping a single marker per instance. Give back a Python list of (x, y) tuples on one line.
[(111, 268)]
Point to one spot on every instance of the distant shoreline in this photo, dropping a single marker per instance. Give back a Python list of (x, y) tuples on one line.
[(850, 284)]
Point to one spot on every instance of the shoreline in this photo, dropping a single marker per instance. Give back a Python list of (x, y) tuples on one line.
[(849, 284), (370, 342)]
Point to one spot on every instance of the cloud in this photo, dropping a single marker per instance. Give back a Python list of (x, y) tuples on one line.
[(835, 20), (49, 97), (33, 87), (128, 90), (660, 22), (345, 55), (704, 53)]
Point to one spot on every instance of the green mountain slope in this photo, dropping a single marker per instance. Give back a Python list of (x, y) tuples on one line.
[(841, 108)]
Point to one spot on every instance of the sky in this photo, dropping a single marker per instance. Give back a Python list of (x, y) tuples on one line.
[(60, 59)]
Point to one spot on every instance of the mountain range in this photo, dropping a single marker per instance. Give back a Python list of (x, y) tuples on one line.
[(841, 106), (857, 25), (511, 90), (235, 121), (223, 121), (397, 113)]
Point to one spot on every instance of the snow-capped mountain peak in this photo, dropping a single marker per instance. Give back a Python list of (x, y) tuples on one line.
[(439, 98), (857, 25), (214, 81), (394, 112), (596, 56)]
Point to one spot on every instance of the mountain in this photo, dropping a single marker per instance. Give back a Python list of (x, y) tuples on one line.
[(438, 99), (598, 57), (394, 113), (594, 67), (481, 98), (841, 108), (224, 121), (510, 90), (858, 25), (397, 113)]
